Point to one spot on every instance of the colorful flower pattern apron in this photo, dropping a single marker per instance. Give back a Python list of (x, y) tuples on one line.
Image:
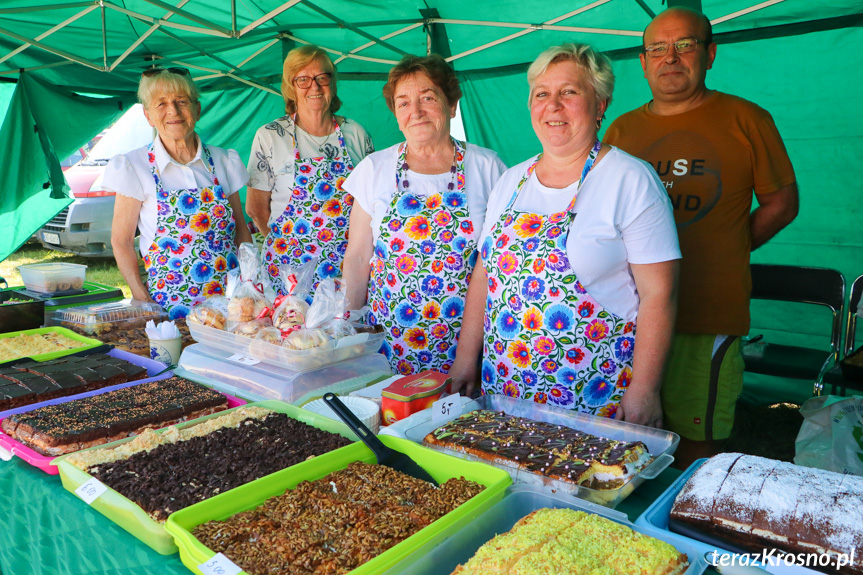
[(547, 339), (315, 221), (193, 250), (420, 272)]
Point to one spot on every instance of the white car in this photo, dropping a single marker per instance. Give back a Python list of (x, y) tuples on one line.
[(84, 227)]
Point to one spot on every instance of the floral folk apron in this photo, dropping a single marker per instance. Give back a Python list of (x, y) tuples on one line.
[(194, 244), (420, 271), (547, 339), (315, 221)]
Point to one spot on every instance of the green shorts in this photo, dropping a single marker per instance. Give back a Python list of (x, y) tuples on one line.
[(704, 377)]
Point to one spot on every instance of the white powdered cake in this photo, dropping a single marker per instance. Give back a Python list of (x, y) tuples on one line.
[(777, 501), (736, 501), (695, 500)]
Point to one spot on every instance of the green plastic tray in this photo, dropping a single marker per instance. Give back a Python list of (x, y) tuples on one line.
[(128, 515), (251, 495), (91, 343)]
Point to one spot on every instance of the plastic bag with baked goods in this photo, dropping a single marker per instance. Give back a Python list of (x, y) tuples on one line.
[(251, 328), (247, 299), (290, 309), (212, 312), (831, 436)]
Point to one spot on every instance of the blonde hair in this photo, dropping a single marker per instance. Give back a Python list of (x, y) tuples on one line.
[(597, 66), (296, 60), (166, 82)]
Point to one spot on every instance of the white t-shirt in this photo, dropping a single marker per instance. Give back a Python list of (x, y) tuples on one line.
[(373, 183), (271, 162), (129, 175), (623, 217)]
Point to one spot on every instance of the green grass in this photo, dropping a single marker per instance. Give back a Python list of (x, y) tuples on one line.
[(99, 270)]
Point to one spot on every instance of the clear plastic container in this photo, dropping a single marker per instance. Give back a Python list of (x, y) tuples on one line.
[(333, 351), (660, 443), (461, 542), (233, 373), (53, 278), (106, 317)]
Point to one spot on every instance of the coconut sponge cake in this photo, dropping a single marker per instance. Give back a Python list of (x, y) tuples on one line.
[(573, 542)]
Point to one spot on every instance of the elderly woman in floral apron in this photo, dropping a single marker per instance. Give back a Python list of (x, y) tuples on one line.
[(579, 245), (415, 224), (297, 166), (181, 195)]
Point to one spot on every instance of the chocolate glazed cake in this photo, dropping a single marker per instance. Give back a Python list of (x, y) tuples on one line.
[(759, 503), (544, 448), (74, 425), (34, 381)]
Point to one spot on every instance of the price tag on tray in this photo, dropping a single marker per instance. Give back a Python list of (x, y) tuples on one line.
[(91, 490), (445, 409), (245, 360), (219, 565)]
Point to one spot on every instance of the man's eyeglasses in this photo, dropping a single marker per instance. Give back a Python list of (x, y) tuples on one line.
[(306, 81), (660, 49), (150, 72)]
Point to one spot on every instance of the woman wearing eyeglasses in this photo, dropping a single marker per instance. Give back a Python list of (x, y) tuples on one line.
[(181, 194), (579, 245), (297, 166), (415, 225)]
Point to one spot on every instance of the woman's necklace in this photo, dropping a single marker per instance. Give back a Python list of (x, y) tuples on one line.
[(450, 185), (315, 142)]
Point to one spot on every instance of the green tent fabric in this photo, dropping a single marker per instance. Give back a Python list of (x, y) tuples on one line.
[(796, 58), (32, 139)]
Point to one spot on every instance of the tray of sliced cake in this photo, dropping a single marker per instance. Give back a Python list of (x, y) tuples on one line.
[(339, 514), (594, 458), (43, 343), (158, 472), (767, 510), (39, 435), (532, 531)]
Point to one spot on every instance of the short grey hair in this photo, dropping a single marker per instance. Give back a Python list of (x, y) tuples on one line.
[(166, 82), (596, 64)]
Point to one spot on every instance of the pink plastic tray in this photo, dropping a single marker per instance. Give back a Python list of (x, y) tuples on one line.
[(43, 462), (153, 367)]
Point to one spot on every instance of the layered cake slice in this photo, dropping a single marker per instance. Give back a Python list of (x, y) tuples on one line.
[(544, 448), (74, 425)]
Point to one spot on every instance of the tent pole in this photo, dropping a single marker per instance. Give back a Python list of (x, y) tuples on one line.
[(190, 16), (384, 37), (163, 22), (437, 40), (64, 6), (143, 37), (745, 11), (546, 26), (353, 28), (234, 18), (54, 51), (241, 64), (268, 16), (104, 37), (344, 54), (59, 26)]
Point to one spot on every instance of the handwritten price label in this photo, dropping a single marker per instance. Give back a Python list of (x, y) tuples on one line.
[(445, 409), (91, 490), (244, 360), (219, 565)]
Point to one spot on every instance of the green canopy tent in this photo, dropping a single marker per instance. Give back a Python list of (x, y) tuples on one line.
[(797, 58)]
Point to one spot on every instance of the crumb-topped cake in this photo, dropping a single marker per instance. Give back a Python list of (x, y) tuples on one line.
[(82, 423), (544, 448), (760, 503), (30, 344), (334, 524), (576, 543)]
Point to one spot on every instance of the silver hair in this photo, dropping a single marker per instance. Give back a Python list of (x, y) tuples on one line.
[(166, 82), (596, 64)]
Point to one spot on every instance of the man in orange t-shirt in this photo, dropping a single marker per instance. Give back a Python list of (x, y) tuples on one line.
[(711, 150)]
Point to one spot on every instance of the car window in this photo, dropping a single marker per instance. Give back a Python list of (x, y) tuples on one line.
[(131, 131)]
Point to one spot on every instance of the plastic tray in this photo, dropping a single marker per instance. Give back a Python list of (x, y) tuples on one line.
[(90, 342), (128, 515), (217, 369), (445, 552), (22, 311), (660, 443), (45, 462), (657, 514), (251, 495), (295, 360), (53, 278), (104, 317)]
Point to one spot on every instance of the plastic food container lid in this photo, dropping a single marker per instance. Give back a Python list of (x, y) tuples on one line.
[(366, 410), (110, 312)]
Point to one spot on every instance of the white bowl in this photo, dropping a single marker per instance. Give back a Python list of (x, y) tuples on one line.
[(366, 410)]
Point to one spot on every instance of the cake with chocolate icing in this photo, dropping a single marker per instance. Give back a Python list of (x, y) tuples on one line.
[(759, 503), (34, 381), (576, 543), (82, 423), (544, 448)]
